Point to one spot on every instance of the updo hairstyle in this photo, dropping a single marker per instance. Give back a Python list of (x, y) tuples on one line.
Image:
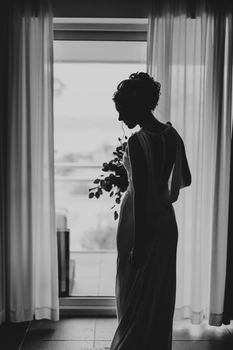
[(140, 91)]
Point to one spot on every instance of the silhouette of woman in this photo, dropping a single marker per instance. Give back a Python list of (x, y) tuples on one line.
[(147, 234)]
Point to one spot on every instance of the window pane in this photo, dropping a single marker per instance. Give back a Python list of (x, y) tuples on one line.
[(86, 131)]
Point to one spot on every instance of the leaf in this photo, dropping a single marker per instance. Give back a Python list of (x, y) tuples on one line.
[(97, 181), (97, 195), (91, 195), (115, 215), (118, 200), (111, 194), (91, 189), (113, 206)]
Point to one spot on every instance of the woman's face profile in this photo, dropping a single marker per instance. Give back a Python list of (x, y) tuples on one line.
[(128, 115)]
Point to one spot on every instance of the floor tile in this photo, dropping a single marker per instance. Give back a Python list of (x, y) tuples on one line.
[(57, 345), (65, 329), (12, 335), (201, 345), (105, 328), (184, 330), (102, 344)]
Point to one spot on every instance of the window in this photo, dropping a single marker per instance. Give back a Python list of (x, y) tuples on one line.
[(87, 69)]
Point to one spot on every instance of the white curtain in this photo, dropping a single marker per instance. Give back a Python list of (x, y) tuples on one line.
[(29, 269), (192, 59)]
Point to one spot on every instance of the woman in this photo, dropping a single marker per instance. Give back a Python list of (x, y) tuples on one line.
[(147, 233)]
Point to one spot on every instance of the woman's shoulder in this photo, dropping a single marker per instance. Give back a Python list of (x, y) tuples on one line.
[(163, 130), (169, 136)]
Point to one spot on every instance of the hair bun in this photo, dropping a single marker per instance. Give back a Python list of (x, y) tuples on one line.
[(142, 77), (139, 88)]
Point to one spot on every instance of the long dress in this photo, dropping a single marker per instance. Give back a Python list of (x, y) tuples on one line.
[(145, 297)]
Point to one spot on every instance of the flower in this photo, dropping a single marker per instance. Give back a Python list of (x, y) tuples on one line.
[(116, 182)]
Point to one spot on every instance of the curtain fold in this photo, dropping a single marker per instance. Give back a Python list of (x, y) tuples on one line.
[(221, 114), (192, 59), (3, 160), (29, 233)]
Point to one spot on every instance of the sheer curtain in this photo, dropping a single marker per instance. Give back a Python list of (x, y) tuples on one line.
[(192, 59), (28, 237), (3, 158)]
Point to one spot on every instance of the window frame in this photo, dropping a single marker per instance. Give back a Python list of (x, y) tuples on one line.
[(93, 29), (100, 29)]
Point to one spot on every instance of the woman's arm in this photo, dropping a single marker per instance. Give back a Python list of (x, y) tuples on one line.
[(186, 175), (139, 176)]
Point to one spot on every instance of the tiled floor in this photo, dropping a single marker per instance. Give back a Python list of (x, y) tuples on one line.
[(96, 333)]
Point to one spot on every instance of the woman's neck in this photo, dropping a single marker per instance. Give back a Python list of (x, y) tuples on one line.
[(150, 123)]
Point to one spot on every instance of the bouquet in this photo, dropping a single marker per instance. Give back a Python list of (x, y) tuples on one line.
[(116, 182)]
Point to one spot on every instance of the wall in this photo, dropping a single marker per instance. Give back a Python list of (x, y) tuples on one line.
[(101, 8)]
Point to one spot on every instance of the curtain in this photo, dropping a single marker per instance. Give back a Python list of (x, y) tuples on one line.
[(192, 59), (228, 300), (3, 158), (28, 270)]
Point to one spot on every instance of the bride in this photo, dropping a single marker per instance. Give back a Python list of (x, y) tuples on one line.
[(147, 234)]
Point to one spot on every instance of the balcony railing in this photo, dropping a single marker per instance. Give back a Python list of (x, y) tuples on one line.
[(93, 270)]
